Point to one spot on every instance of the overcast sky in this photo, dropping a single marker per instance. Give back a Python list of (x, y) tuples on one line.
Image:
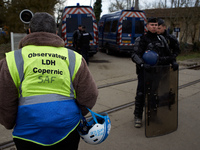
[(105, 3)]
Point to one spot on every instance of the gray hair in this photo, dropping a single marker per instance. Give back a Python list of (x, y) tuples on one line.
[(43, 22)]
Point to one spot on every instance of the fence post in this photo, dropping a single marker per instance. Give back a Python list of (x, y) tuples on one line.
[(12, 41)]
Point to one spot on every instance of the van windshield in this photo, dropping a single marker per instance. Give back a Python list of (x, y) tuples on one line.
[(72, 24), (88, 23), (127, 26)]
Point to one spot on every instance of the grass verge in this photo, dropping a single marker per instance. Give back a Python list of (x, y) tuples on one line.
[(189, 55)]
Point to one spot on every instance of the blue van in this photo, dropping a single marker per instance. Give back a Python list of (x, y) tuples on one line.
[(79, 15), (118, 30)]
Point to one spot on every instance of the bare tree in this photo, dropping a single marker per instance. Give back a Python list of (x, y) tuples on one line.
[(128, 4), (197, 4), (181, 15), (137, 4), (123, 4), (189, 18), (14, 7), (117, 5)]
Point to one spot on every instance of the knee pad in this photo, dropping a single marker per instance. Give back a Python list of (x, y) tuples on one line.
[(139, 99)]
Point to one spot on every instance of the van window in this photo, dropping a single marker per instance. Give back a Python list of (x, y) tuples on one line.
[(139, 27), (72, 24), (88, 23), (114, 26), (127, 26), (107, 26)]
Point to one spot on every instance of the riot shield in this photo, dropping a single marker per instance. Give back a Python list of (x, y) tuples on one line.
[(161, 100)]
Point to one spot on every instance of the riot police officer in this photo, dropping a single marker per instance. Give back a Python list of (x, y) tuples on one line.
[(171, 40), (84, 43), (149, 41), (76, 38)]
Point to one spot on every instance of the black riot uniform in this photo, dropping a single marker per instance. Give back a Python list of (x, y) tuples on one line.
[(84, 44), (76, 38), (149, 41), (172, 43), (171, 40)]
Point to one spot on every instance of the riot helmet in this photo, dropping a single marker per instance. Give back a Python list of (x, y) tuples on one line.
[(150, 57), (95, 129)]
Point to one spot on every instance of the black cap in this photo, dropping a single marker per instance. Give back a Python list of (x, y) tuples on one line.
[(152, 19), (83, 27), (160, 22)]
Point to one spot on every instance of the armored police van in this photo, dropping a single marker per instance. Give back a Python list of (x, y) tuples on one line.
[(79, 15), (118, 30)]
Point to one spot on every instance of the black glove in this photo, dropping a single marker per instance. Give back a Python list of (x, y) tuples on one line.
[(162, 60), (175, 65), (147, 67), (171, 58)]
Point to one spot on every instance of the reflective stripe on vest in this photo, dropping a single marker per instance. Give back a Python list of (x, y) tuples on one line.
[(42, 99), (20, 67), (46, 97), (72, 61)]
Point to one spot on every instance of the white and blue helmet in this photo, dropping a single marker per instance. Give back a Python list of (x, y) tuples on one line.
[(95, 129), (150, 57)]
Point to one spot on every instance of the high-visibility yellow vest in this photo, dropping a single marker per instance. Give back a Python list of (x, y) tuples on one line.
[(44, 74), (43, 70)]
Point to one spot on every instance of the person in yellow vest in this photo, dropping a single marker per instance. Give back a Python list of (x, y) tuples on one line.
[(44, 90)]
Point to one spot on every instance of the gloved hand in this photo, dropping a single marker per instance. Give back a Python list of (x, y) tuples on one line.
[(147, 67), (162, 60), (171, 58), (175, 65)]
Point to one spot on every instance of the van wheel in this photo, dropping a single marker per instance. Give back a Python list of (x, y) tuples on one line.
[(108, 52), (91, 55)]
